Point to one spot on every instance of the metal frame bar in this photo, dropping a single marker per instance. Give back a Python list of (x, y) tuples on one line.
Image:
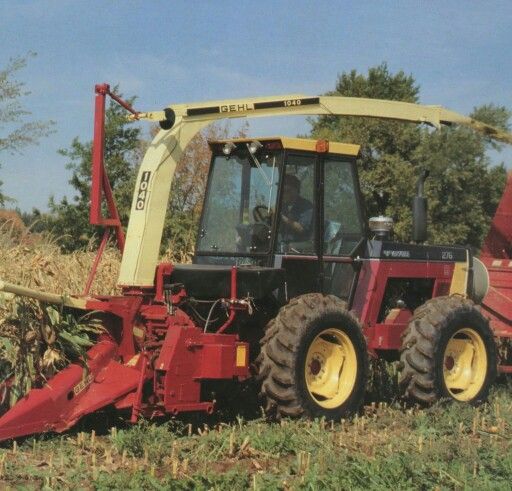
[(100, 186), (97, 259)]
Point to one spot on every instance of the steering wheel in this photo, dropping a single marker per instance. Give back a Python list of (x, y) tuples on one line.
[(261, 214)]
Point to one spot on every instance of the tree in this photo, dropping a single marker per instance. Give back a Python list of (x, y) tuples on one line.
[(15, 132), (463, 188), (69, 219)]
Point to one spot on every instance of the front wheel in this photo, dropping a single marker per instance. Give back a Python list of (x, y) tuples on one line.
[(448, 350), (313, 360)]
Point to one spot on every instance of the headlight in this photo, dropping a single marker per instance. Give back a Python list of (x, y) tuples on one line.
[(228, 148), (254, 146)]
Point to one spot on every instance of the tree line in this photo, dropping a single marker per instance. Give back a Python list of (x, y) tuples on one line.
[(463, 188)]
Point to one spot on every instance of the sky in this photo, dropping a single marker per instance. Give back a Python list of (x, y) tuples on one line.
[(183, 51)]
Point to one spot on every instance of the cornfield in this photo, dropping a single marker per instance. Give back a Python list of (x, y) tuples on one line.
[(36, 340)]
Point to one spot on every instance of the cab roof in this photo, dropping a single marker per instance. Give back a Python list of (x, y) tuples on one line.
[(304, 144)]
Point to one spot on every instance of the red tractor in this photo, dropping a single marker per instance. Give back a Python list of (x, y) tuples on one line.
[(289, 283)]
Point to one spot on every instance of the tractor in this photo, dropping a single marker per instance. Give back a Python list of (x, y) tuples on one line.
[(290, 284)]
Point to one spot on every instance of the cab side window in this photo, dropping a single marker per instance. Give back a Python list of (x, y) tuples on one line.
[(296, 230), (342, 226), (342, 222)]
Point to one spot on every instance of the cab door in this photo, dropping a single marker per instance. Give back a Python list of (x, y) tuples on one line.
[(343, 228), (297, 246)]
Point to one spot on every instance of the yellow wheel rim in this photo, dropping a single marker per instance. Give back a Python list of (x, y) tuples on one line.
[(331, 368), (465, 364)]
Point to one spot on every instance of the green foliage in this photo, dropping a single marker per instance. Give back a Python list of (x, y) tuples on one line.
[(463, 189), (15, 132), (36, 342), (69, 219), (180, 233), (140, 480), (498, 116), (145, 439), (375, 137)]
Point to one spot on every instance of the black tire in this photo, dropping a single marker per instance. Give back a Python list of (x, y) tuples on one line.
[(306, 320), (430, 354)]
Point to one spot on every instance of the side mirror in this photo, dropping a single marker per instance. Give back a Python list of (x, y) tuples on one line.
[(419, 210)]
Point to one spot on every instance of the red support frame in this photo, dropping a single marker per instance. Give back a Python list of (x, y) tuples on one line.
[(96, 262), (101, 188), (100, 183)]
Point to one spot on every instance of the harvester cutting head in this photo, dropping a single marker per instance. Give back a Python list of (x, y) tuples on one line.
[(288, 283)]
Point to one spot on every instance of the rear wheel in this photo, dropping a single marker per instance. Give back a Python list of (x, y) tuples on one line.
[(448, 350), (313, 360)]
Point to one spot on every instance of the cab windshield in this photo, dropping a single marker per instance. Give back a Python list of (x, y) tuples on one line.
[(238, 211)]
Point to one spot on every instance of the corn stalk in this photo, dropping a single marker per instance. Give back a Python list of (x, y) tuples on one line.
[(38, 340)]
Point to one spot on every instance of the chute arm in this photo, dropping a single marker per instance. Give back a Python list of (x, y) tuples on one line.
[(183, 121), (325, 105)]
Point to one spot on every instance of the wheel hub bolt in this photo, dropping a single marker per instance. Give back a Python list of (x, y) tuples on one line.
[(449, 363), (315, 366)]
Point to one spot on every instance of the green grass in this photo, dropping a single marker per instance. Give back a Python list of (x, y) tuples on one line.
[(449, 446)]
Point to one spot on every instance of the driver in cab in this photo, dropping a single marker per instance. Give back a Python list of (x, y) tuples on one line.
[(297, 212)]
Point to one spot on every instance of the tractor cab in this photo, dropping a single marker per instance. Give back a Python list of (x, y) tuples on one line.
[(285, 203)]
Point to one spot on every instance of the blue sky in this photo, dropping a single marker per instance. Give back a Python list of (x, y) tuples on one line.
[(182, 51)]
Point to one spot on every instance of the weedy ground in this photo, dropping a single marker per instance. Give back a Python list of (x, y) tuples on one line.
[(386, 446), (448, 446)]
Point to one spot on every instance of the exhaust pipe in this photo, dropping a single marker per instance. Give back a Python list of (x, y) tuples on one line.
[(419, 210)]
